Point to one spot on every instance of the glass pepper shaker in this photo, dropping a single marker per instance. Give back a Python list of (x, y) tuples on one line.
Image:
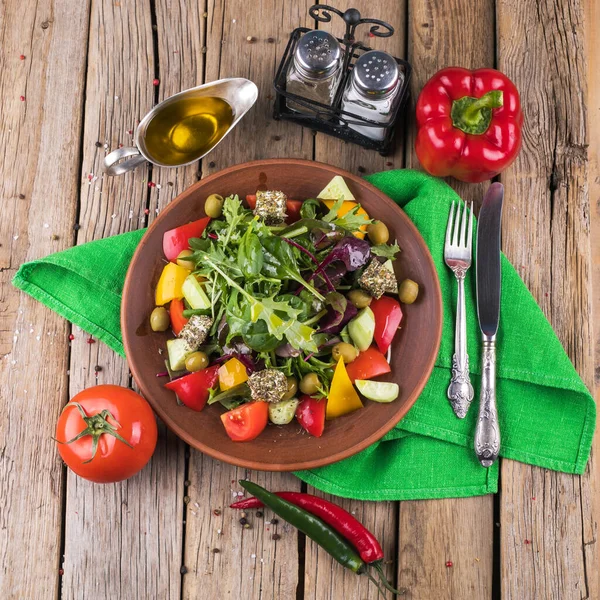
[(372, 91), (315, 70)]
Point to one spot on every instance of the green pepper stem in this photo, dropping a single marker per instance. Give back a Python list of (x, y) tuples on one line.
[(474, 115)]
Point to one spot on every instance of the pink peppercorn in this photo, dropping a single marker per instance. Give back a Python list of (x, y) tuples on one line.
[(71, 337), (22, 57), (156, 82), (151, 184), (91, 340), (449, 563), (22, 98)]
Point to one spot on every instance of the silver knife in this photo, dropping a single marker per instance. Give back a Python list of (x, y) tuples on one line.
[(487, 432)]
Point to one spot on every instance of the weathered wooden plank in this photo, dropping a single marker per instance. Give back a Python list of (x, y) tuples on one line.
[(249, 563), (549, 525), (139, 520), (40, 155), (456, 530), (325, 578)]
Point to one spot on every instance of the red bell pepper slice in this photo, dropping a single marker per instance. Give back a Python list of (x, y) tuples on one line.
[(368, 364), (176, 309), (292, 207), (176, 240), (388, 316), (193, 389), (311, 414), (468, 124)]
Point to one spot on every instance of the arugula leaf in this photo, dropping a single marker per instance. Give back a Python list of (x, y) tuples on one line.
[(257, 336), (310, 208), (386, 251), (250, 255), (333, 211), (234, 214)]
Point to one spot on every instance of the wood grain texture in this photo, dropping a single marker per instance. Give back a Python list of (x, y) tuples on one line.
[(324, 577), (457, 530), (38, 133), (140, 520), (549, 528), (234, 572)]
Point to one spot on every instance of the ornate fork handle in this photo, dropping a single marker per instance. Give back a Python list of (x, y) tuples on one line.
[(487, 432), (460, 390)]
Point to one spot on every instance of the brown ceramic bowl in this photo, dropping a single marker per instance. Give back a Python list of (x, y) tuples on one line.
[(283, 448)]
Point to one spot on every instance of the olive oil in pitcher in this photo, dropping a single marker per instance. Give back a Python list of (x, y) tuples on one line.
[(187, 129)]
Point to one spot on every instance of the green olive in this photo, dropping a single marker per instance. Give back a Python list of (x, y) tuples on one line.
[(292, 388), (196, 361), (213, 207), (344, 350), (359, 298), (408, 291), (378, 233), (186, 264), (159, 319), (310, 384)]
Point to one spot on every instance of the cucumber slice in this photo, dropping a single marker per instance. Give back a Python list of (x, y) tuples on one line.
[(178, 350), (378, 391), (336, 189), (282, 413), (194, 294), (362, 328)]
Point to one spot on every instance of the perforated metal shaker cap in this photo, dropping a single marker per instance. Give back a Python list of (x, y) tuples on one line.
[(317, 55), (376, 73)]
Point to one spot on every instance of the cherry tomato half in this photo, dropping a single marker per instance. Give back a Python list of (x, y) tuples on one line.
[(246, 422), (121, 425), (367, 365)]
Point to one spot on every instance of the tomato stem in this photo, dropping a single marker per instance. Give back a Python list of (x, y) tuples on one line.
[(96, 426)]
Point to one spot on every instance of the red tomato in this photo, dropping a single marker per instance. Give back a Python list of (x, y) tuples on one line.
[(193, 389), (176, 240), (311, 414), (176, 309), (388, 316), (119, 421), (246, 422), (292, 207), (368, 364)]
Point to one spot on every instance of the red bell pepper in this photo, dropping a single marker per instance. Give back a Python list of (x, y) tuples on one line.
[(469, 124), (368, 364), (176, 240), (311, 414), (292, 207), (176, 309), (193, 389), (388, 316)]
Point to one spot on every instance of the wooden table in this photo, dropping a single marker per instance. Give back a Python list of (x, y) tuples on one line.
[(84, 81)]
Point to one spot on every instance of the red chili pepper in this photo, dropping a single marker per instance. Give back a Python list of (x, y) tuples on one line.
[(469, 124), (341, 520)]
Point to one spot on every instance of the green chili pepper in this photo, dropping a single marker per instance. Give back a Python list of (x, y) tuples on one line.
[(312, 526)]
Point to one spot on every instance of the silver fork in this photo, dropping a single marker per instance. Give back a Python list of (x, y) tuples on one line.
[(457, 254)]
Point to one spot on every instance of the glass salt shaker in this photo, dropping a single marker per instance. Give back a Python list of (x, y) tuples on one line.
[(372, 91), (315, 70)]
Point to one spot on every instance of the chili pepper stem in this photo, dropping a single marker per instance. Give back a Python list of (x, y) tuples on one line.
[(377, 566)]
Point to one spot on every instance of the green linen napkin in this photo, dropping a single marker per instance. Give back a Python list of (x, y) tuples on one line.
[(547, 416)]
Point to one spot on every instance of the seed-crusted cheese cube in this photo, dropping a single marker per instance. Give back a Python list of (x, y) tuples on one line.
[(270, 206), (268, 385), (194, 332), (376, 280)]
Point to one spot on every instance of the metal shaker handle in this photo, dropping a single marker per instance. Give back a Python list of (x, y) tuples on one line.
[(133, 157)]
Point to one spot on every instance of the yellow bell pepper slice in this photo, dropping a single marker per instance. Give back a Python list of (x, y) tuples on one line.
[(342, 398), (347, 206), (232, 373), (170, 283)]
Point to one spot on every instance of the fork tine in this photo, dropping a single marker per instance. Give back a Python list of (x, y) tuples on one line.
[(470, 235), (449, 226), (456, 226), (463, 227)]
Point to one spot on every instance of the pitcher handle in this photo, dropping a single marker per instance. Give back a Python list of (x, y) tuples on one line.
[(133, 157)]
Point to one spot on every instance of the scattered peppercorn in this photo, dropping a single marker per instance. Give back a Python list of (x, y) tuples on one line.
[(259, 514), (54, 237), (361, 170), (270, 40), (187, 483), (183, 570), (147, 211), (250, 39), (276, 138), (45, 25), (216, 512), (215, 551), (21, 196), (151, 184), (389, 164), (98, 368), (186, 499), (527, 542), (247, 526), (98, 144), (170, 183), (61, 572), (274, 521), (243, 521), (449, 563), (76, 227), (211, 165), (275, 537)]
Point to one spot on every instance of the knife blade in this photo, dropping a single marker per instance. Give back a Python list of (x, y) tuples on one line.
[(488, 278)]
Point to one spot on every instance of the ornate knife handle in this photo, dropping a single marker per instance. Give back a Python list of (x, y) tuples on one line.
[(487, 433), (460, 390)]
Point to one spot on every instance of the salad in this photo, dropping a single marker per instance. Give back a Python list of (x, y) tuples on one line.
[(281, 309)]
